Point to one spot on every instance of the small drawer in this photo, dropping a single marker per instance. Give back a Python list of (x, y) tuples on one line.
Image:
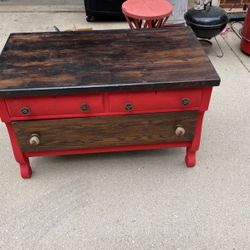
[(155, 100), (79, 104), (55, 105), (30, 106)]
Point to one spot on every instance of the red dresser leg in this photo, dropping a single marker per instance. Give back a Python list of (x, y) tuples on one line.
[(25, 168), (190, 158)]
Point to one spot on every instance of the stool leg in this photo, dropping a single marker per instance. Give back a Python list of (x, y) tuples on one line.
[(165, 20), (134, 23), (130, 22), (137, 23), (159, 23), (148, 24)]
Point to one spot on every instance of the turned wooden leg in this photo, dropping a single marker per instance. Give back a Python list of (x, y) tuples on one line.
[(190, 158)]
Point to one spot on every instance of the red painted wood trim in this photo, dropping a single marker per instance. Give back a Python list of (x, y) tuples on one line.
[(109, 149), (4, 115), (98, 114), (23, 160), (206, 96), (191, 150)]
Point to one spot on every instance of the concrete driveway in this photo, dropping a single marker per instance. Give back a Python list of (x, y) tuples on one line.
[(135, 200)]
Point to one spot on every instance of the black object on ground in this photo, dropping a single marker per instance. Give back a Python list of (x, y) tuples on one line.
[(103, 10), (236, 16)]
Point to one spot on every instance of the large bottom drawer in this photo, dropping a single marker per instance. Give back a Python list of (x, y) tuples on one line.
[(94, 132)]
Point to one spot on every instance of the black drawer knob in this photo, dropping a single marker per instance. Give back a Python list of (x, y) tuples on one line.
[(185, 101), (25, 110), (85, 107), (128, 106)]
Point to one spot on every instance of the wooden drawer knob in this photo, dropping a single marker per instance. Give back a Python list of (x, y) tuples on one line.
[(128, 106), (179, 131), (34, 140)]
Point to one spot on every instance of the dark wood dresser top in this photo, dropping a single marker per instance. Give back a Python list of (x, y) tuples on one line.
[(34, 64)]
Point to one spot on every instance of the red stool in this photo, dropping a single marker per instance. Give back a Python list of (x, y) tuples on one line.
[(146, 13)]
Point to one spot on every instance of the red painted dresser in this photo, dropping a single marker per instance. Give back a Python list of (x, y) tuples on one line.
[(104, 91)]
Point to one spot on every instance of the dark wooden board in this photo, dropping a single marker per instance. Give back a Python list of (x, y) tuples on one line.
[(105, 131), (109, 60)]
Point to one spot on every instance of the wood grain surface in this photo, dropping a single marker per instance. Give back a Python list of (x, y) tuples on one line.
[(109, 60), (105, 131)]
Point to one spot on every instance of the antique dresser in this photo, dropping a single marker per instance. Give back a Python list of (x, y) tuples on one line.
[(104, 91)]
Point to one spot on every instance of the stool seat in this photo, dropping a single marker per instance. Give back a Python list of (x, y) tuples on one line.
[(147, 9), (146, 13)]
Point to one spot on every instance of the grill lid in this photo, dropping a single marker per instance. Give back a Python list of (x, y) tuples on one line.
[(210, 16)]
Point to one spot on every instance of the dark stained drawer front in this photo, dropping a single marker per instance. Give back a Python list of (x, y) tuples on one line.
[(155, 100), (94, 132), (52, 105)]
